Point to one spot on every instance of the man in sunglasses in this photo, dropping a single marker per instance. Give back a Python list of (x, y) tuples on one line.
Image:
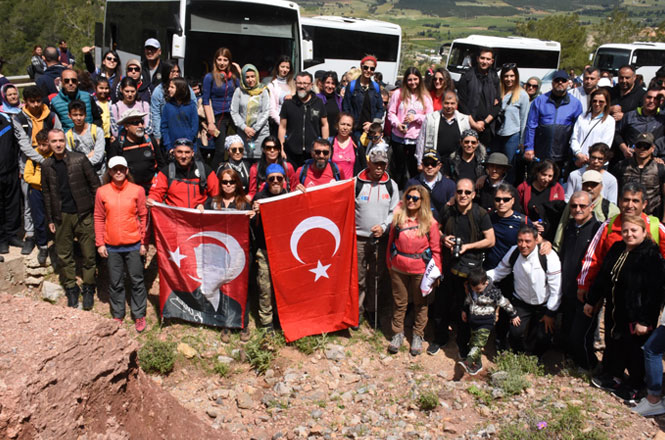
[(589, 85), (467, 161), (466, 234), (142, 152), (644, 119), (550, 124), (319, 169), (54, 69), (70, 92), (362, 98), (441, 189)]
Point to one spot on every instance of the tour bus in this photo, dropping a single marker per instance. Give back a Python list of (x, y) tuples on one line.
[(533, 57), (339, 43), (646, 57), (256, 31)]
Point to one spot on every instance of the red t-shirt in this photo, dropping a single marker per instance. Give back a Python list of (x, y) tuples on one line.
[(315, 177)]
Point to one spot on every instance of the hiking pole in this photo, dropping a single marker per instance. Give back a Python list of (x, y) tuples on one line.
[(375, 241)]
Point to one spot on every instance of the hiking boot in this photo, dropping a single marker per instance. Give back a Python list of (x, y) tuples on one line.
[(139, 324), (225, 335), (72, 294), (42, 255), (625, 393), (88, 296), (648, 409), (28, 246), (433, 348), (396, 343), (16, 242), (416, 345), (472, 368), (244, 334)]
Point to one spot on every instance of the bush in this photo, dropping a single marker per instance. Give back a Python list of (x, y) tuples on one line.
[(522, 363), (311, 344), (261, 349), (427, 401), (222, 369), (157, 357)]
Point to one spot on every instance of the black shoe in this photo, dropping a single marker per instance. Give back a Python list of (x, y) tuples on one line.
[(16, 242), (72, 294), (369, 317), (28, 246), (4, 248), (88, 296), (2, 259), (433, 348), (606, 382), (42, 255), (626, 393)]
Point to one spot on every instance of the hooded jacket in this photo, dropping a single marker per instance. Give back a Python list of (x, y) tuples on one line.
[(303, 123), (46, 82)]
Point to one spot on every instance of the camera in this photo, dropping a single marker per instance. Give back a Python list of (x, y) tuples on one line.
[(457, 249)]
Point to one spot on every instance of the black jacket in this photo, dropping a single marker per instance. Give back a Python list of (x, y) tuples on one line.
[(257, 223), (46, 82), (9, 148), (573, 247), (145, 159), (471, 86), (303, 123)]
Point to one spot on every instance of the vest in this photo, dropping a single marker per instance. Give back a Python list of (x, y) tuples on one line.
[(60, 104), (650, 177)]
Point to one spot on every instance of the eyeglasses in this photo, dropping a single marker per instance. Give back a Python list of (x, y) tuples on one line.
[(465, 192), (321, 152), (598, 158), (598, 101), (531, 86), (502, 199), (182, 141), (509, 65), (430, 164), (370, 68), (133, 69), (136, 122), (579, 206), (70, 80), (228, 182), (236, 150), (270, 147), (275, 179), (411, 198), (112, 59)]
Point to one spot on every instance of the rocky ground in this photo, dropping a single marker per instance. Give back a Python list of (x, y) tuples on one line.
[(346, 386)]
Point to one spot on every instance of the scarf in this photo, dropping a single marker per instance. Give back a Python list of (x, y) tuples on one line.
[(254, 102)]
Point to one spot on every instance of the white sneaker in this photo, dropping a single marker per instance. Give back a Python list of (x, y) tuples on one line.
[(648, 409)]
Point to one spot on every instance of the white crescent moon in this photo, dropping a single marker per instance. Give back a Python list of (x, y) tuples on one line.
[(315, 222)]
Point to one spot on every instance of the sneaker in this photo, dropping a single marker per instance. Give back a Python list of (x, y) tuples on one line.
[(225, 335), (42, 255), (120, 320), (396, 343), (244, 334), (72, 294), (139, 324), (433, 348), (472, 368), (625, 393), (605, 382), (28, 246), (88, 296), (416, 345), (648, 409)]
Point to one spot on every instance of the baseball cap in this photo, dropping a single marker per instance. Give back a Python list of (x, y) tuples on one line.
[(117, 160), (152, 42), (431, 154), (592, 176), (644, 138), (560, 74), (378, 155)]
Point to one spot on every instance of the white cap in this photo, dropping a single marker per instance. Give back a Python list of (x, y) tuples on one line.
[(117, 160), (152, 42), (604, 82)]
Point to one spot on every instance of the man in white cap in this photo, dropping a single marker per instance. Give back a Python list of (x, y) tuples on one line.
[(152, 64), (142, 151)]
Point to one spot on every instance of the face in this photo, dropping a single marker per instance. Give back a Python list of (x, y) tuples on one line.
[(222, 62), (545, 177), (134, 71), (329, 86), (596, 161), (580, 209), (626, 79), (644, 151), (135, 127), (478, 288), (152, 53), (376, 170), (495, 172), (531, 87), (413, 201), (275, 183), (56, 142), (485, 60), (526, 243), (431, 167), (129, 93), (503, 202), (172, 89), (598, 104), (250, 78), (464, 194), (102, 90), (590, 81), (633, 235), (33, 105), (283, 69), (303, 86), (227, 184), (70, 81), (632, 203), (438, 81), (509, 79), (118, 173), (11, 95), (38, 51), (77, 117), (63, 45), (559, 86), (344, 126), (236, 151), (412, 82), (43, 147), (651, 101), (110, 61), (449, 106), (175, 72), (368, 69), (469, 144), (320, 154), (594, 189), (183, 155), (271, 150)]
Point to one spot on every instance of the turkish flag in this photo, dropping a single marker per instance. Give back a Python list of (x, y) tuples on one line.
[(203, 264), (311, 243)]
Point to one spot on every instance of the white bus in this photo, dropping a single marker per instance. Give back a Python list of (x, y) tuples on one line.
[(256, 31), (533, 57), (645, 57), (339, 43)]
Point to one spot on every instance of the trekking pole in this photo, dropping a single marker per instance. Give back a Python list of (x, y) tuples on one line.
[(375, 241)]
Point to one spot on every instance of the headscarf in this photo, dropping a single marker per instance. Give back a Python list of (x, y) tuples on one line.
[(275, 168), (6, 107), (233, 139), (254, 102)]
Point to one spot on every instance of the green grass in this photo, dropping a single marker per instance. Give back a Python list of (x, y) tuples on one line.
[(222, 369), (567, 423), (480, 395), (261, 349), (525, 364), (427, 401), (157, 356), (311, 344)]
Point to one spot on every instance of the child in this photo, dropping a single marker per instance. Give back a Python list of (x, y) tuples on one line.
[(180, 117), (33, 177), (480, 304), (86, 138), (103, 100)]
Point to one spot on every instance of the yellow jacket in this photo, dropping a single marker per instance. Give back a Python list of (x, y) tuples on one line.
[(33, 173)]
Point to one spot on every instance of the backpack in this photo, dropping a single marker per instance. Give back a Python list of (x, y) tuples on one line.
[(352, 86), (542, 258), (146, 139), (426, 255), (309, 162), (653, 227), (200, 167), (361, 183), (31, 71), (70, 135)]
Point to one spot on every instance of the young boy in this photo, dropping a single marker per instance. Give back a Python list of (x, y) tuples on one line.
[(33, 177), (103, 99), (86, 138), (480, 304)]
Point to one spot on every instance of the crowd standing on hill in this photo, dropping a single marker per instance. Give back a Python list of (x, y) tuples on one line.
[(483, 207)]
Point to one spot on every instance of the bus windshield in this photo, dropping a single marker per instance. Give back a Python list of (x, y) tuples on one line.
[(462, 57), (611, 59)]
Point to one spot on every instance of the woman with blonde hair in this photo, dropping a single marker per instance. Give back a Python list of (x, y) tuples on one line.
[(514, 112), (413, 242)]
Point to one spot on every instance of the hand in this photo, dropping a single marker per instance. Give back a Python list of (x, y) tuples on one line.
[(251, 214), (659, 160), (366, 126), (255, 207), (539, 227), (237, 66), (549, 324), (627, 151), (641, 329), (403, 128), (616, 112), (300, 187), (529, 155), (212, 129), (516, 321), (200, 207), (376, 230), (103, 252), (149, 202), (250, 132), (463, 248), (420, 168), (581, 295), (87, 49), (51, 227), (463, 316), (588, 310), (449, 241), (142, 250), (581, 159), (545, 247), (283, 154), (408, 119), (92, 153)]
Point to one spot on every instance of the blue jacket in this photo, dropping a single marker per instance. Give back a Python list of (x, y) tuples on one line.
[(353, 101), (549, 128), (179, 121), (46, 82), (60, 106), (443, 191), (157, 102)]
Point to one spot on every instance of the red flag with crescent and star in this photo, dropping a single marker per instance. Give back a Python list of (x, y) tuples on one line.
[(203, 263), (311, 243)]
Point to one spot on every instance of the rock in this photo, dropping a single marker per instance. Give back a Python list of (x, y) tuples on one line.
[(32, 281), (334, 352), (316, 430), (51, 291), (224, 359), (316, 414), (39, 271), (277, 436), (245, 401), (282, 389), (186, 350), (301, 431), (498, 378), (211, 413)]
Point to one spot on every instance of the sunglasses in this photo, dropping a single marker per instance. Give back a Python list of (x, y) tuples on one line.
[(642, 146), (270, 147), (116, 170), (70, 80), (465, 192), (578, 206), (411, 198), (559, 80), (183, 141), (531, 86), (502, 199), (275, 179), (228, 182), (321, 152), (469, 142), (236, 150), (112, 59), (133, 69), (370, 68), (430, 164), (138, 122), (438, 80), (509, 65)]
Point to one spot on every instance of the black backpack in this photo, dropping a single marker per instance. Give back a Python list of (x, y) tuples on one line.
[(309, 162), (200, 167)]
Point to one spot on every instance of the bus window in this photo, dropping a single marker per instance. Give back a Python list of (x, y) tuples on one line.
[(351, 45), (527, 59), (611, 59), (648, 57), (462, 57)]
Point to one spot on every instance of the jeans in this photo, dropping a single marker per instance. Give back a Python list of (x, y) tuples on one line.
[(508, 145), (653, 361), (38, 212), (28, 226)]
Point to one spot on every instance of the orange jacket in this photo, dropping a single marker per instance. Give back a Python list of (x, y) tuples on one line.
[(120, 214)]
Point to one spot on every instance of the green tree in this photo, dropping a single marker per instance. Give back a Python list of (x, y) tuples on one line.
[(616, 28), (564, 28)]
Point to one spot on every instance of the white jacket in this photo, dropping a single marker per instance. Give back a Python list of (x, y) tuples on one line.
[(429, 133)]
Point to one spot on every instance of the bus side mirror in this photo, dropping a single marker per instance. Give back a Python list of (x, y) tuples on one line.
[(178, 46)]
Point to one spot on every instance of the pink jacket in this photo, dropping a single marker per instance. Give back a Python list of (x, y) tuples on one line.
[(409, 242), (398, 109)]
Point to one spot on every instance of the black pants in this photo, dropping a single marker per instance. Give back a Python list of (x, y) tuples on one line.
[(10, 206), (530, 336), (577, 332), (223, 121), (117, 295), (623, 351), (402, 162), (447, 310)]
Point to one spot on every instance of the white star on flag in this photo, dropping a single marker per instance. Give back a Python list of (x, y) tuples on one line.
[(320, 271), (176, 257)]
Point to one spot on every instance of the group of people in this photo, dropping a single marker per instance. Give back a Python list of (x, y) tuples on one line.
[(471, 197)]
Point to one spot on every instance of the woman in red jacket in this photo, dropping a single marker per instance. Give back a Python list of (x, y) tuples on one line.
[(120, 221), (542, 189), (413, 242)]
